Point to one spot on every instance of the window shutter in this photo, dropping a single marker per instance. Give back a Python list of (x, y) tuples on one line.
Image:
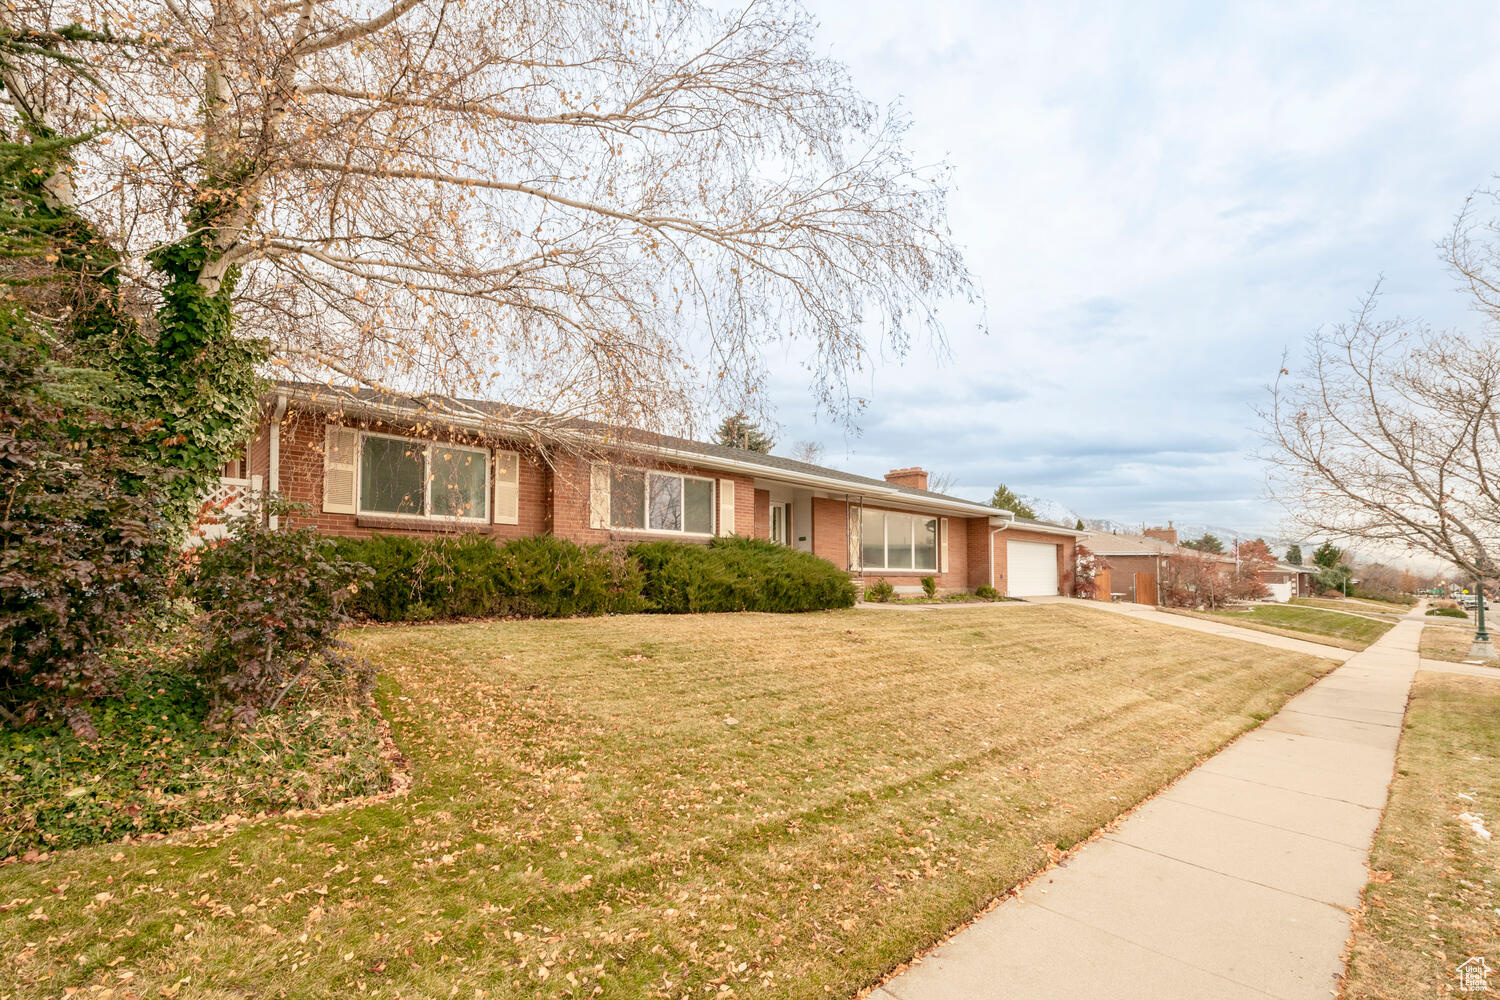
[(726, 506), (507, 487), (599, 495), (852, 534), (942, 545), (340, 466)]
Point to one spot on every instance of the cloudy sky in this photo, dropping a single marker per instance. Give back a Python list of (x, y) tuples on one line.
[(1158, 199)]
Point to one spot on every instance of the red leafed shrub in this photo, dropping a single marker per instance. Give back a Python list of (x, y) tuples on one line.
[(271, 604), (1086, 569), (1192, 581), (83, 548)]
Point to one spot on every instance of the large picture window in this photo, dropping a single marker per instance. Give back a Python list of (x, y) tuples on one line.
[(898, 541), (661, 501), (406, 477)]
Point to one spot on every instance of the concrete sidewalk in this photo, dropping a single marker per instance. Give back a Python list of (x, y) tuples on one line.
[(1235, 882)]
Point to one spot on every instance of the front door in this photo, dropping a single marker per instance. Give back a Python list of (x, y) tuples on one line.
[(781, 523)]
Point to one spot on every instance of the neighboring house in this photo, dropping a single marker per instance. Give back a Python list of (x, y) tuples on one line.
[(365, 462), (1136, 561), (1286, 581)]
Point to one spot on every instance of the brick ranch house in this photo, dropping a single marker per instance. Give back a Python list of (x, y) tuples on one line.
[(364, 462), (1136, 561)]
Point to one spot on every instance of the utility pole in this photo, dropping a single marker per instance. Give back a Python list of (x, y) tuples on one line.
[(1483, 648)]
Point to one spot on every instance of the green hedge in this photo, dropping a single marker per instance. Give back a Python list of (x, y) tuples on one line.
[(469, 576), (738, 574)]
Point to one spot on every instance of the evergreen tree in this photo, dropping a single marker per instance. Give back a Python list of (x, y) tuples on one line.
[(1327, 556), (1208, 543), (1006, 499), (1294, 555), (738, 431)]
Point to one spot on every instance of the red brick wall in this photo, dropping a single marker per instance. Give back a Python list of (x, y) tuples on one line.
[(302, 436), (1122, 571), (763, 514), (570, 503), (830, 528), (1067, 548), (830, 540), (555, 499), (979, 554)]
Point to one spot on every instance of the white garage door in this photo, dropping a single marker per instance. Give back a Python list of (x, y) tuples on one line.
[(1031, 569)]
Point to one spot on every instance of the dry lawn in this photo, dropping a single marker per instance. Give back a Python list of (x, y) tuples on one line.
[(1449, 642), (1433, 900), (652, 806)]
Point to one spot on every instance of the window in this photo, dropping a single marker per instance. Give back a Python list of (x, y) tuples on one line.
[(458, 482), (898, 541), (410, 478), (661, 501), (627, 498), (666, 503), (392, 476), (698, 506), (872, 538), (926, 545)]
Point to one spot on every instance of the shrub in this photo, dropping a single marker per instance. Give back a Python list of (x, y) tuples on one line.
[(1086, 569), (929, 586), (738, 574), (1192, 580), (83, 546), (547, 577), (1334, 595), (880, 591), (469, 576), (414, 579), (1449, 612), (987, 592), (270, 606)]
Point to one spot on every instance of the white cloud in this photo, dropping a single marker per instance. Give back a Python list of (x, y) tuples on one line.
[(1158, 200)]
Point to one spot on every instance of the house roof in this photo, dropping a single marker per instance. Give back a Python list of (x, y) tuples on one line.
[(503, 420), (1105, 543)]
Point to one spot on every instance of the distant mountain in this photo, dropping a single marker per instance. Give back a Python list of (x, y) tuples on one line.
[(1051, 510), (1061, 513)]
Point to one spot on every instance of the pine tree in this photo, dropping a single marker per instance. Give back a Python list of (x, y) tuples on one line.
[(1006, 499), (738, 431), (1327, 556)]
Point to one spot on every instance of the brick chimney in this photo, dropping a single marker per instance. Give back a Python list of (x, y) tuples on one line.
[(914, 477), (1167, 534)]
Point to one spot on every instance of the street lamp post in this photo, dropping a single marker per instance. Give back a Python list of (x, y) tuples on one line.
[(1483, 648)]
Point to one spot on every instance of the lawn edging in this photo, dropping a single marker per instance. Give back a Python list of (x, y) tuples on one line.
[(1286, 633)]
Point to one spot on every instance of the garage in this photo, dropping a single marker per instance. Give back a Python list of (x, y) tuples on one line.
[(1031, 569)]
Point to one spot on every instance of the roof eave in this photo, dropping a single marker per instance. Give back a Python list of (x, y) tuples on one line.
[(346, 403)]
